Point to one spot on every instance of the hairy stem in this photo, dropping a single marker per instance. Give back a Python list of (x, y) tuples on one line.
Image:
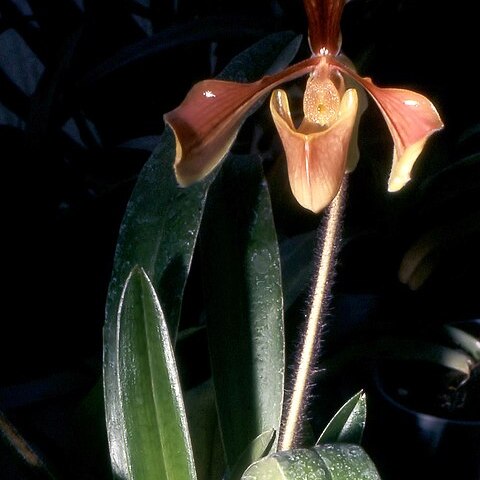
[(296, 404)]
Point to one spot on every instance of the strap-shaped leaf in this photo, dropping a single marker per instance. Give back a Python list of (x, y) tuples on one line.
[(338, 461), (348, 423), (243, 304), (161, 223), (153, 437)]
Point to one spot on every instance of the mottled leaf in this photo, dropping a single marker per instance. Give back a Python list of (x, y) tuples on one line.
[(338, 461)]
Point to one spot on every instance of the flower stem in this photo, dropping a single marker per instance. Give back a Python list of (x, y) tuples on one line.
[(328, 243)]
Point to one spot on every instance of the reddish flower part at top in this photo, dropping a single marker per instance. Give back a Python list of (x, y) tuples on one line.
[(319, 151)]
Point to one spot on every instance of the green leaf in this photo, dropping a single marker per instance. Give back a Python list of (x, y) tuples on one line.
[(258, 448), (205, 432), (348, 423), (158, 233), (243, 298), (153, 436), (339, 461), (161, 223)]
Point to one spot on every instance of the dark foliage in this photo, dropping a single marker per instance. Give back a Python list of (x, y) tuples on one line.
[(83, 87)]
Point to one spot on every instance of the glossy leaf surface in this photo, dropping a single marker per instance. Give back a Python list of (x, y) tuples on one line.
[(348, 423), (153, 439), (244, 304), (339, 461), (160, 227)]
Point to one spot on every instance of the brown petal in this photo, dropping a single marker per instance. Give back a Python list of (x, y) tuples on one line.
[(324, 24), (354, 150), (316, 161), (207, 121), (411, 119)]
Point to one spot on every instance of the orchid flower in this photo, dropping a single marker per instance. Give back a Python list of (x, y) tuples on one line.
[(208, 120)]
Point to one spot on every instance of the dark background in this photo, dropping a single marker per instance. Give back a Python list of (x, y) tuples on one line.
[(83, 87)]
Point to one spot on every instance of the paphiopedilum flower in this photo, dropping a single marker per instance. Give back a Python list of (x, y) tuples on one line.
[(207, 121)]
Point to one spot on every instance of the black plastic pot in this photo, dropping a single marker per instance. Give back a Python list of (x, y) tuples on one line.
[(411, 439)]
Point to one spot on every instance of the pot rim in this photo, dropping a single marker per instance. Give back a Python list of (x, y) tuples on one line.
[(427, 417)]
